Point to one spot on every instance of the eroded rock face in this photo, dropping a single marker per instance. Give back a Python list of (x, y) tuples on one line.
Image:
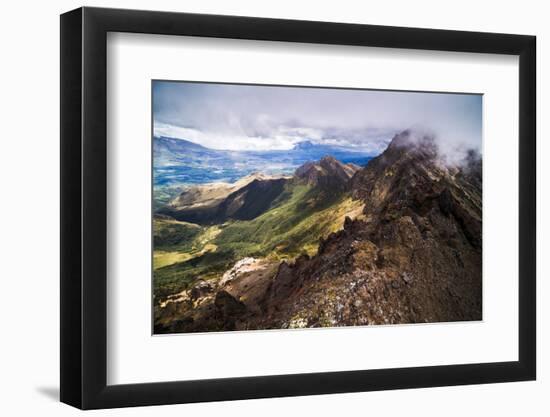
[(228, 309), (201, 289), (225, 304)]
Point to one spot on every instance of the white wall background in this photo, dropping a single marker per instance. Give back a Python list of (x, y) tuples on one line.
[(29, 220)]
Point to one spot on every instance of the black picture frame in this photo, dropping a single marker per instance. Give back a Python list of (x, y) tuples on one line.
[(84, 207)]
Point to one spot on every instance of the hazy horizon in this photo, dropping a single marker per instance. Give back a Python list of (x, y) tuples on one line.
[(256, 117)]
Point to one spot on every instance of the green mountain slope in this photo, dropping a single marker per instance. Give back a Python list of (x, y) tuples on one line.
[(296, 220)]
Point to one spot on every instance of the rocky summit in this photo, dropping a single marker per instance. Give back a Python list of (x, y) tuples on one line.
[(328, 173)]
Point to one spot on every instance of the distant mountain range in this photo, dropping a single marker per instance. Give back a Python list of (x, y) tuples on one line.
[(180, 162), (252, 195)]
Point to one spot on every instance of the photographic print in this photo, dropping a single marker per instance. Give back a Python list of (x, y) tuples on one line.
[(286, 207)]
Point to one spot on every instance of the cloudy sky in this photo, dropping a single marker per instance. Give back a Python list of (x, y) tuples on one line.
[(247, 117)]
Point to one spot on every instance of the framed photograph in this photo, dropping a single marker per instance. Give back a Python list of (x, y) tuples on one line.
[(258, 208)]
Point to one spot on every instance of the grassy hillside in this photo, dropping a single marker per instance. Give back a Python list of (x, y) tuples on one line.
[(177, 242), (172, 233), (296, 221)]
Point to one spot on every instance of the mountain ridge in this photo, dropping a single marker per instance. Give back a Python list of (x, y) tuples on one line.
[(419, 217), (177, 163), (252, 195), (412, 254)]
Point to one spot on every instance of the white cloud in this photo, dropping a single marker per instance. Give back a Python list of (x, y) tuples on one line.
[(245, 117), (232, 142)]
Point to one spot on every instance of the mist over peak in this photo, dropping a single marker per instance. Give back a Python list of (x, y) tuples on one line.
[(448, 149)]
